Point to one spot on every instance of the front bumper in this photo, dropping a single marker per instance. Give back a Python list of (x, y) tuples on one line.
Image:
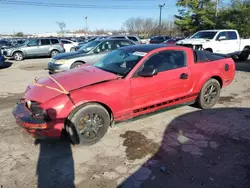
[(56, 68), (36, 127)]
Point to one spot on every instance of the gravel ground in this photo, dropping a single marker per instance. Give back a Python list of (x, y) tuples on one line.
[(176, 148)]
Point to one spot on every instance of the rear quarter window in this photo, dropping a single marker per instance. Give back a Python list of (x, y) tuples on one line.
[(54, 41), (133, 38)]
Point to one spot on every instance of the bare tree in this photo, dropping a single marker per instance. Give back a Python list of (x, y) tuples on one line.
[(62, 27), (146, 27)]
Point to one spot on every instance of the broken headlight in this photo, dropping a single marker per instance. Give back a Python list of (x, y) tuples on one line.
[(36, 110)]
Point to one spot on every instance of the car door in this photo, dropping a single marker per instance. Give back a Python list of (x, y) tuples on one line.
[(171, 82), (32, 48), (220, 45), (45, 46), (98, 52), (233, 42)]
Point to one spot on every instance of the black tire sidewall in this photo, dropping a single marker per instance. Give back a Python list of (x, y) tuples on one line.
[(201, 101), (244, 55), (81, 112)]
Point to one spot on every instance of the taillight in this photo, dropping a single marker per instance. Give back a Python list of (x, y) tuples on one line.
[(62, 45)]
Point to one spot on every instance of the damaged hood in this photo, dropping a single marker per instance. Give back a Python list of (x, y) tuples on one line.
[(69, 80)]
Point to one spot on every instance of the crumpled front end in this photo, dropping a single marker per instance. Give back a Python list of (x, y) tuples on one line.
[(193, 46), (36, 121)]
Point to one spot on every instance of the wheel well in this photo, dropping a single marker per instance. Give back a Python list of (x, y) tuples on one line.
[(79, 62), (93, 102), (209, 49), (218, 79), (246, 47), (54, 50), (17, 51)]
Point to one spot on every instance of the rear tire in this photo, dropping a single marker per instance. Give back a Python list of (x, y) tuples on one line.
[(54, 53), (244, 55), (88, 125), (76, 65), (18, 56), (209, 95)]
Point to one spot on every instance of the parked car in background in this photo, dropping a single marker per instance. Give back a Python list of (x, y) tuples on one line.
[(89, 53), (68, 44), (225, 41), (136, 39), (126, 83), (158, 39), (172, 40), (4, 44), (80, 44), (34, 48)]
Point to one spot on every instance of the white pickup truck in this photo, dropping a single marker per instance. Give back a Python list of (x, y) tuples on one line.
[(219, 41)]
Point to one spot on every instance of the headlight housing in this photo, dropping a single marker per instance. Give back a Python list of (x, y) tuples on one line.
[(36, 110), (61, 61)]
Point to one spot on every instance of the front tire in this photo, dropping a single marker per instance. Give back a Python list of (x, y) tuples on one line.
[(76, 65), (88, 125), (18, 56), (209, 95)]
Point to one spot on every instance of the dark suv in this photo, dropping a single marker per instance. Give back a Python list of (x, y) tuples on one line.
[(34, 48)]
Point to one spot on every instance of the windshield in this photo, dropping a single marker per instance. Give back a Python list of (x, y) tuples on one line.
[(204, 35), (119, 62), (89, 46)]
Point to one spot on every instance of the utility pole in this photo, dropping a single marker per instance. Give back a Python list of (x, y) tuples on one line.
[(216, 8), (86, 24), (160, 6)]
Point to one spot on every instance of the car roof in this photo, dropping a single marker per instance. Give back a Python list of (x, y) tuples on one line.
[(144, 47)]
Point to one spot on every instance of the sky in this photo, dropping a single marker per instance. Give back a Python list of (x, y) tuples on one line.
[(17, 17)]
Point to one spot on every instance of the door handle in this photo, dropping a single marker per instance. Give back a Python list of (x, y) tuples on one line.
[(183, 76)]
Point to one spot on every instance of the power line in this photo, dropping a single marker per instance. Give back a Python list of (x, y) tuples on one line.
[(78, 6)]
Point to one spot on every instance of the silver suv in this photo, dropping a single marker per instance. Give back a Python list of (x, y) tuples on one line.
[(34, 48)]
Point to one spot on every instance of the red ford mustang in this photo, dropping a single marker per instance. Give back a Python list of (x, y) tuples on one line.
[(127, 82)]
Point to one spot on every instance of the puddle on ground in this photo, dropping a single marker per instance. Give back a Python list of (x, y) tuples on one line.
[(138, 145), (33, 67), (226, 99), (9, 101)]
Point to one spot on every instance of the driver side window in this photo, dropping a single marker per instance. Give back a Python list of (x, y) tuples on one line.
[(166, 60), (33, 42), (222, 34)]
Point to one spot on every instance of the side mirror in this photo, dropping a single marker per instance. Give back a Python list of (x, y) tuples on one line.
[(222, 38), (147, 72)]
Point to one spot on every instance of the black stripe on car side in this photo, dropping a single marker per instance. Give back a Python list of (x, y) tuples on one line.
[(166, 102)]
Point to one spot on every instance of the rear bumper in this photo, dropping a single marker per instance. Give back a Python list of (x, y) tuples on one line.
[(36, 127)]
